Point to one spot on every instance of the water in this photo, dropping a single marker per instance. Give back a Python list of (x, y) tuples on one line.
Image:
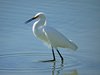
[(21, 52)]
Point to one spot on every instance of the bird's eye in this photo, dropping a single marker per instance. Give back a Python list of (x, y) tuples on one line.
[(35, 17)]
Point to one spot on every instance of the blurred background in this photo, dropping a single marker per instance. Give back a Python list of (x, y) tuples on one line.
[(20, 51)]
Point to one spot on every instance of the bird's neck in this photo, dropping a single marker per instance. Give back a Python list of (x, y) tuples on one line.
[(40, 23)]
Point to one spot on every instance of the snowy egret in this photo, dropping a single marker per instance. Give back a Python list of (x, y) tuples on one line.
[(49, 35)]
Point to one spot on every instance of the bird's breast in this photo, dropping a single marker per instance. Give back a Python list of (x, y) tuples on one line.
[(40, 34)]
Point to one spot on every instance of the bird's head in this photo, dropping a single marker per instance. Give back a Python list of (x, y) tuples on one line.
[(37, 16)]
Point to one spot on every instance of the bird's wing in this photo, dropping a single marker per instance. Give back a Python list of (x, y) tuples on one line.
[(57, 39)]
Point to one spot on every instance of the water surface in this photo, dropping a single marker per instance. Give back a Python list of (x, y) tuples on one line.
[(21, 52)]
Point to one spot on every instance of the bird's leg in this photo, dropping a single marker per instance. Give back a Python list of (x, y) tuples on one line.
[(53, 54), (60, 56), (53, 57)]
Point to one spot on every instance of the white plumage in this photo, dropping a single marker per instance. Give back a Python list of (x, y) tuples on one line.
[(49, 35)]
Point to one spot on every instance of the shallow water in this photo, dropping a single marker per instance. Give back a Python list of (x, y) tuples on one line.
[(21, 53)]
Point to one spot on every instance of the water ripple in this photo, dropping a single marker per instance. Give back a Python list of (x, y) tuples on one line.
[(31, 61)]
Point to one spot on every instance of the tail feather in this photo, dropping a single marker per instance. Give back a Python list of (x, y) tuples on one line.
[(73, 46)]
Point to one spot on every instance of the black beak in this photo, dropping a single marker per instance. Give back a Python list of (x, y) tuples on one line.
[(31, 19)]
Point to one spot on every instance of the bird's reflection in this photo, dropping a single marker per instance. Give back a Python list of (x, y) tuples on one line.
[(59, 70), (56, 71)]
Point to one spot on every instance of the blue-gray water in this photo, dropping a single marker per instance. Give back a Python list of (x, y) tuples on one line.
[(21, 52)]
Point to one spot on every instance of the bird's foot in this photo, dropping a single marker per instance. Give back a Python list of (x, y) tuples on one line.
[(49, 60)]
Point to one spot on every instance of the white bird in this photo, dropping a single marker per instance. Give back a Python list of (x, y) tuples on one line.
[(49, 35)]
